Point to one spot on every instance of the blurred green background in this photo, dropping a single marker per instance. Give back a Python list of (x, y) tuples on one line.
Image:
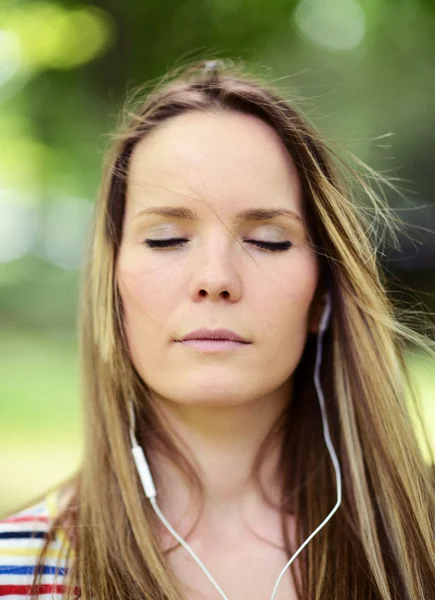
[(364, 72)]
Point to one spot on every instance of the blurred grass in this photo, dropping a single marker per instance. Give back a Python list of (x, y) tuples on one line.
[(40, 431), (423, 372)]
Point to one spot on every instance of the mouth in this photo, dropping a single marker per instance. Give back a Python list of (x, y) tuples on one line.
[(214, 335)]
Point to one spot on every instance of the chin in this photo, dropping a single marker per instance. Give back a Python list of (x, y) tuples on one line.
[(209, 393)]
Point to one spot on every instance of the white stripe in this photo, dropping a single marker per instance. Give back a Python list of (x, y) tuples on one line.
[(47, 596), (37, 509), (21, 561), (25, 526), (28, 543)]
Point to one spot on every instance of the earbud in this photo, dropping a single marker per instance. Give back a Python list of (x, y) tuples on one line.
[(324, 320)]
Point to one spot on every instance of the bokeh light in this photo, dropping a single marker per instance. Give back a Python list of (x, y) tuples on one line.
[(334, 25)]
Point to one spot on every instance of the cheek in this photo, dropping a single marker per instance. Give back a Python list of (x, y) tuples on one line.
[(149, 297), (145, 289), (285, 299)]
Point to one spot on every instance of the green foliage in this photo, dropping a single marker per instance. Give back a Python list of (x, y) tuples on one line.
[(65, 68)]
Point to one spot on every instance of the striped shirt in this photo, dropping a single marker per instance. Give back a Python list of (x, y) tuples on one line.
[(22, 536)]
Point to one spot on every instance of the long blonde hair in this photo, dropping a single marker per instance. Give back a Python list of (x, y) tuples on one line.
[(381, 545)]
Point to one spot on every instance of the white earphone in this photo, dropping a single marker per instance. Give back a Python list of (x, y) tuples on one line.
[(150, 490)]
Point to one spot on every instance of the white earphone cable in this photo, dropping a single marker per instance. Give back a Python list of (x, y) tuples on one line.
[(322, 329), (186, 546), (150, 491)]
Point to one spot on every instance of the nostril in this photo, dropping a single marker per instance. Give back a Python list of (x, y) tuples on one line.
[(224, 293)]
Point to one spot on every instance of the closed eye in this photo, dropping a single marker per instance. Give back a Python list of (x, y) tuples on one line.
[(174, 242)]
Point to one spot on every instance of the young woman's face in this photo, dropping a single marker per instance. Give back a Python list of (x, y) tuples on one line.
[(215, 170)]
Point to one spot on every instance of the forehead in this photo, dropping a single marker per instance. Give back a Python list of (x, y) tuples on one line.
[(231, 160)]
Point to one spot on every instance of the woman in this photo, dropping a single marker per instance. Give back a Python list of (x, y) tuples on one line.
[(285, 444)]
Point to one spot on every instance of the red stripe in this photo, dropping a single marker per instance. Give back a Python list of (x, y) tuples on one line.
[(23, 590), (25, 519)]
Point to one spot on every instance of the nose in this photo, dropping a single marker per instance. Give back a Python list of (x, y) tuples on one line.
[(215, 273)]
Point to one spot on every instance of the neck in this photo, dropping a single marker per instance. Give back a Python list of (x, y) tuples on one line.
[(224, 442)]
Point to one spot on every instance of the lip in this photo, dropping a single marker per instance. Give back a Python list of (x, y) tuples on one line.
[(215, 335), (213, 346)]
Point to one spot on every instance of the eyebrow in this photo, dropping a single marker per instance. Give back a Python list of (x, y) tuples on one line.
[(249, 214)]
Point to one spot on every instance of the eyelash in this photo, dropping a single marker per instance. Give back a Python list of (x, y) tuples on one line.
[(270, 246)]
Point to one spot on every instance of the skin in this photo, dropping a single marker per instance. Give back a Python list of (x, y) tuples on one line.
[(223, 404)]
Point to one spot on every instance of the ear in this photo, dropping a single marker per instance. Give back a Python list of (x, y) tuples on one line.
[(315, 313)]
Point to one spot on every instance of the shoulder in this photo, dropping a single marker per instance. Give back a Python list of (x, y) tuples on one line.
[(22, 537)]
